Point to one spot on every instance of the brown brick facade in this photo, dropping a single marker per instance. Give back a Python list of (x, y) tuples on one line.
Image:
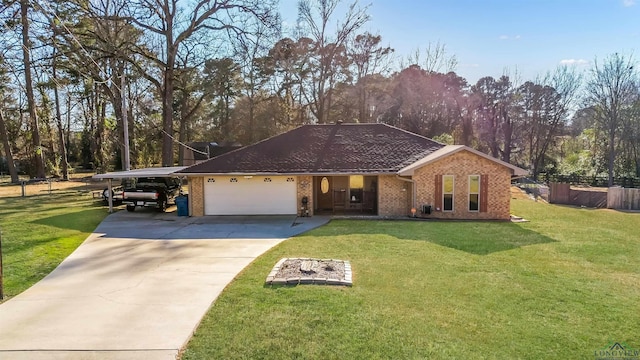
[(394, 196), (196, 196), (461, 165), (304, 188)]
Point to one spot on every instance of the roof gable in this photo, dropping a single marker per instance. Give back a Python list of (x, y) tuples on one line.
[(452, 149), (339, 148)]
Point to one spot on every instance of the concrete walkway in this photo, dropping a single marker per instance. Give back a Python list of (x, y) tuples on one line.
[(138, 286)]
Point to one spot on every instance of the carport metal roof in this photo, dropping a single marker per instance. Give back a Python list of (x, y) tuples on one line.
[(147, 172), (137, 173)]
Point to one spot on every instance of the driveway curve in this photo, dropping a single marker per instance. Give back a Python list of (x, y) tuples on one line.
[(138, 286)]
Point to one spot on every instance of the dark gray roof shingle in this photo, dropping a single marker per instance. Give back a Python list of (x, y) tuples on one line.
[(339, 148)]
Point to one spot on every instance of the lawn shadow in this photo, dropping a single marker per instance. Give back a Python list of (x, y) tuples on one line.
[(83, 221), (487, 238), (474, 237)]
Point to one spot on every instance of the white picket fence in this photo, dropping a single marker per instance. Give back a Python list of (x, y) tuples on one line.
[(623, 198)]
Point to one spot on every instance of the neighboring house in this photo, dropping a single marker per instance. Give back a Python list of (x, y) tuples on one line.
[(198, 152), (372, 169)]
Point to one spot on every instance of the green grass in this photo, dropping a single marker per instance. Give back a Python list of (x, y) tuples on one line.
[(559, 287), (38, 232)]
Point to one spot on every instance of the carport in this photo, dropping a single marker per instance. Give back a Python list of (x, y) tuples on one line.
[(137, 173)]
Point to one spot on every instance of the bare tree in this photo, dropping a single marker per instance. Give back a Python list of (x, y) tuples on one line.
[(251, 55), (329, 58), (611, 89), (435, 58), (545, 108), (8, 153), (172, 24), (368, 58), (33, 116)]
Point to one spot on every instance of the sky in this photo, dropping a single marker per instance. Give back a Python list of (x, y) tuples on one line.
[(496, 37)]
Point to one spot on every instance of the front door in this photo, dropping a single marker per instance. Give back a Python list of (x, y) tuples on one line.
[(324, 186)]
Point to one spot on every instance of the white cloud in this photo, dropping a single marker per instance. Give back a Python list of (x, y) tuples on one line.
[(628, 3), (574, 62), (507, 37)]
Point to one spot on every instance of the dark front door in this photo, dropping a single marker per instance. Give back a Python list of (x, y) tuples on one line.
[(324, 186)]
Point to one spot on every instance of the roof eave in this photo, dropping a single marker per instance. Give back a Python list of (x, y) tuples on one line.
[(145, 172), (293, 173)]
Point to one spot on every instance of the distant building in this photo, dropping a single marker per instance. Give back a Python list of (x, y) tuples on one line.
[(203, 150)]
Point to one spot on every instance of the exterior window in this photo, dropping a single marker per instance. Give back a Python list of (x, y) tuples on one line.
[(474, 192), (324, 185), (356, 185), (447, 193)]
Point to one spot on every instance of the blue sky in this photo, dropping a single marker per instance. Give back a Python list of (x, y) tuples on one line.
[(489, 37)]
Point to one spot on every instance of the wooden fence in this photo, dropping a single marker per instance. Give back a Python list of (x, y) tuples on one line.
[(595, 181), (561, 193), (612, 198), (623, 199)]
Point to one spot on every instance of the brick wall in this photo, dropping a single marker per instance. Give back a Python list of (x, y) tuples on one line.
[(304, 187), (461, 165), (196, 196), (394, 196)]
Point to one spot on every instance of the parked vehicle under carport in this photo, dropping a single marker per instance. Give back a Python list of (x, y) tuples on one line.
[(154, 192), (125, 176), (116, 194)]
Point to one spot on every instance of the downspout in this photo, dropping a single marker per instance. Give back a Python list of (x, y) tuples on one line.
[(413, 190)]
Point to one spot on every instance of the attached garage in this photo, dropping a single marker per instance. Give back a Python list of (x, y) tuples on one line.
[(250, 195)]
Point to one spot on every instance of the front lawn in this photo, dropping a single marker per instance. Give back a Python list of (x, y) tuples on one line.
[(559, 287), (40, 231)]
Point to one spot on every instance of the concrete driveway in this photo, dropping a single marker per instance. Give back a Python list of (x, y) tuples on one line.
[(138, 286)]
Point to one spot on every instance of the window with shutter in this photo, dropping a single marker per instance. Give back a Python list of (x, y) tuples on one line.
[(447, 192), (438, 193), (484, 191), (474, 193)]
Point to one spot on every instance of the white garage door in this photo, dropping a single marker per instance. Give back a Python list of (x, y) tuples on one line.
[(256, 195)]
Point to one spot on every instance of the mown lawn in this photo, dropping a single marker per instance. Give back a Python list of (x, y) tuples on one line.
[(38, 232), (559, 287)]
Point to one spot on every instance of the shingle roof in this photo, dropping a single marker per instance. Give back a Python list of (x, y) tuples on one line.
[(339, 148)]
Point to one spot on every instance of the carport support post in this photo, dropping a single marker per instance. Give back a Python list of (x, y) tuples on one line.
[(110, 194)]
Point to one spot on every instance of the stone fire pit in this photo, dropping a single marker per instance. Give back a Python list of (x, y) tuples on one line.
[(294, 271)]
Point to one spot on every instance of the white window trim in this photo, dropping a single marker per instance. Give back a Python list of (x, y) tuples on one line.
[(453, 196), (469, 193)]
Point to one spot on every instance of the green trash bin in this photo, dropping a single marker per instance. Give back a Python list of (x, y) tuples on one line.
[(182, 203)]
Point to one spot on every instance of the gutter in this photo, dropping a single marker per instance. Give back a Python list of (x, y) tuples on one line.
[(413, 190)]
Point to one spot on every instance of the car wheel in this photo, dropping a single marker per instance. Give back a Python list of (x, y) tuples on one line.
[(131, 208), (162, 206), (105, 196)]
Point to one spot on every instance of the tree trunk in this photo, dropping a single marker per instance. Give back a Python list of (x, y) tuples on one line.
[(7, 150), (26, 46), (61, 143), (182, 134), (508, 134), (167, 104), (68, 128), (133, 150), (116, 93)]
